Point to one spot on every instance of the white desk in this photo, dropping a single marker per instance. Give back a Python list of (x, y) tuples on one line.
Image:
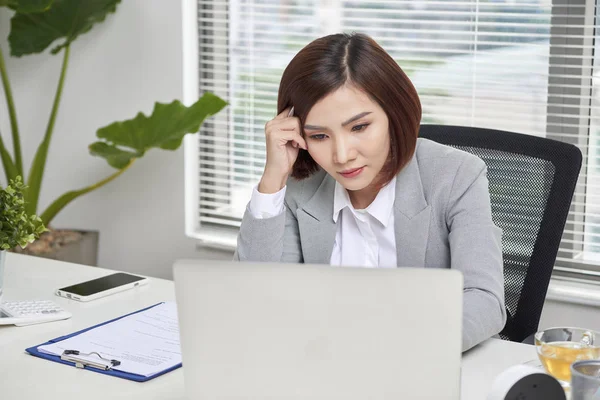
[(27, 377)]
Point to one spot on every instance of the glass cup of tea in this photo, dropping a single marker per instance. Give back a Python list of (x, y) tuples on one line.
[(558, 348)]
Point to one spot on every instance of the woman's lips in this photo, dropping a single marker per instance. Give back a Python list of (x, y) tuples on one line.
[(351, 173)]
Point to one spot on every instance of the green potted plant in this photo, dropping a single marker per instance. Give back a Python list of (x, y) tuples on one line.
[(36, 25), (17, 227)]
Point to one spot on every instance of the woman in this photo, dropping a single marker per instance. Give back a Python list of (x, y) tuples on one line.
[(347, 182)]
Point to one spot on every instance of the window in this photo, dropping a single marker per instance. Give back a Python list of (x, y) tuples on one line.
[(518, 65)]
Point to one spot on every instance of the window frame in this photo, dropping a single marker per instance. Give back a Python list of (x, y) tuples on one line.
[(198, 48)]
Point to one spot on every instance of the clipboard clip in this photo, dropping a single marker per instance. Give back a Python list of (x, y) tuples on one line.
[(73, 356)]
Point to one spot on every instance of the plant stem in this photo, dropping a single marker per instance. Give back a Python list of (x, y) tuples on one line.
[(59, 89), (36, 173), (13, 116), (66, 198), (9, 167)]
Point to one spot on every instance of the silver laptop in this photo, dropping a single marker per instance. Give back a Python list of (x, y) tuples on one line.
[(276, 331)]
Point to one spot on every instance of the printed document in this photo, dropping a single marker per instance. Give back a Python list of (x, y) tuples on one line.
[(145, 343)]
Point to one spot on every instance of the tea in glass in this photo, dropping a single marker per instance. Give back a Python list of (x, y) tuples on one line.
[(558, 348)]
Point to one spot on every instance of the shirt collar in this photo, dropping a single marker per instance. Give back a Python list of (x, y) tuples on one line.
[(381, 208)]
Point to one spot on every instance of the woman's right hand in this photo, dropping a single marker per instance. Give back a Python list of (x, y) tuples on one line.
[(283, 140)]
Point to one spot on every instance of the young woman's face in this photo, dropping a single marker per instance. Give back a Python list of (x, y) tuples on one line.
[(347, 134)]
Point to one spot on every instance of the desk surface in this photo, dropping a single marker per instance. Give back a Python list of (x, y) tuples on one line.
[(27, 377)]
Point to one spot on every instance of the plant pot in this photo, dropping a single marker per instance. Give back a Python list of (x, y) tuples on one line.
[(2, 258), (80, 247)]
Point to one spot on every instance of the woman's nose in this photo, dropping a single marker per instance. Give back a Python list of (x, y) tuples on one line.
[(343, 151)]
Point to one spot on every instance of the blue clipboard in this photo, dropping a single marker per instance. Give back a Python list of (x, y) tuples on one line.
[(119, 374)]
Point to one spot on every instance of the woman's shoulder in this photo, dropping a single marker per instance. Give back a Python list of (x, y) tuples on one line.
[(437, 156), (444, 168)]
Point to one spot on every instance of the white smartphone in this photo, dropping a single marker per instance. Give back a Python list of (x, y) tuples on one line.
[(107, 285)]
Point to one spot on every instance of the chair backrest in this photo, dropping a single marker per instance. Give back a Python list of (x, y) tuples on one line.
[(531, 183)]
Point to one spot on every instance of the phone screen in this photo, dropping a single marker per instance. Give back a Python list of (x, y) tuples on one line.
[(89, 288)]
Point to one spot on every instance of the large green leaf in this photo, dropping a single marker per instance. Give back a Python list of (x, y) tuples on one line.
[(116, 157), (164, 129), (33, 32), (26, 6)]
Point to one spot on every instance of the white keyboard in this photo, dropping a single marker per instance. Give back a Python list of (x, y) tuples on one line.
[(29, 312)]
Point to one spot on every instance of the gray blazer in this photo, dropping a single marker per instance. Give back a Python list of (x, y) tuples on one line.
[(442, 219)]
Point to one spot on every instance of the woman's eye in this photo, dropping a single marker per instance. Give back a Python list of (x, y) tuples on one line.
[(358, 128), (318, 136)]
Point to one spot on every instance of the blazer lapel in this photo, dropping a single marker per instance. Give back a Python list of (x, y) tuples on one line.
[(411, 217), (316, 226)]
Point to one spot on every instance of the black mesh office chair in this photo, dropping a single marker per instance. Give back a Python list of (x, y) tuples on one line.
[(531, 181)]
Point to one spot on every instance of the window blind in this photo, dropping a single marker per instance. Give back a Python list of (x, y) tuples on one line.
[(523, 66)]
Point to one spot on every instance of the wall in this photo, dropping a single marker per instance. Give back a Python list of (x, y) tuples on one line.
[(120, 67), (558, 313)]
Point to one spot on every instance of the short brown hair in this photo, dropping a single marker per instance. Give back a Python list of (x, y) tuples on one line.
[(326, 64)]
